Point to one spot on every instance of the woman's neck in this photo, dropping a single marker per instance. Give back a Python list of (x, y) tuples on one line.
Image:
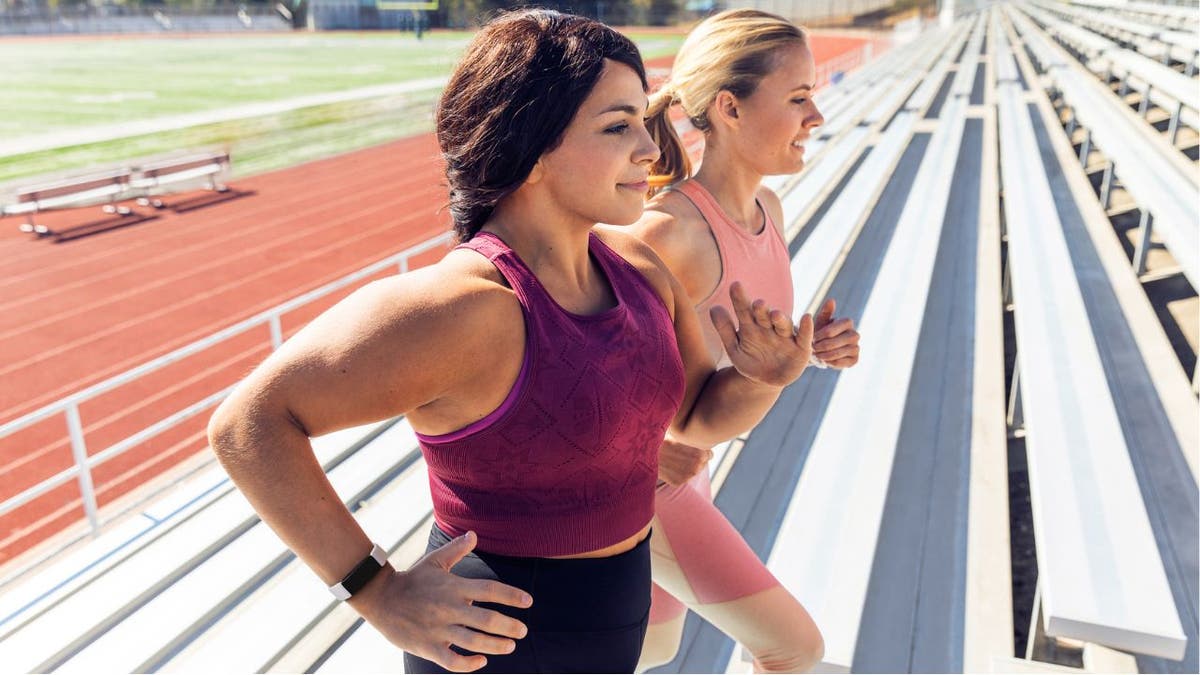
[(556, 251), (734, 186)]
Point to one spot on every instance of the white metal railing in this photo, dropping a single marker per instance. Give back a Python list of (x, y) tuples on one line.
[(69, 406)]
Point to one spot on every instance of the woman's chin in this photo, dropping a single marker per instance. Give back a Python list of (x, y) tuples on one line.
[(623, 217)]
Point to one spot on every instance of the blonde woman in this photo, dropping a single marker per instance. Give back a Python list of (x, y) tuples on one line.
[(745, 79)]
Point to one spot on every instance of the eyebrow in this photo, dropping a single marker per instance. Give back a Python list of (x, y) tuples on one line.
[(622, 107), (804, 86)]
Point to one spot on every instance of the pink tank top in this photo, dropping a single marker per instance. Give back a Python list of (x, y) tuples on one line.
[(760, 261), (568, 462)]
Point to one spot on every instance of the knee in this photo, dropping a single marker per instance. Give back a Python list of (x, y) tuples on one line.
[(659, 648), (654, 656), (799, 654)]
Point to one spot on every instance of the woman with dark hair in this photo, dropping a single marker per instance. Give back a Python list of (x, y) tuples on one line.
[(540, 362)]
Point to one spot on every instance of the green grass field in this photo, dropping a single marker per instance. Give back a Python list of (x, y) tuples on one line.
[(54, 85)]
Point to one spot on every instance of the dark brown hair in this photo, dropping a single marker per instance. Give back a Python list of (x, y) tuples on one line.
[(510, 99)]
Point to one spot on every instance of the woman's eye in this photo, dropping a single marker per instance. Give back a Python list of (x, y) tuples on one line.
[(617, 129), (799, 101)]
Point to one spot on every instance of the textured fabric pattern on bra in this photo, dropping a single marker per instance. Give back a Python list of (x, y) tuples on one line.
[(571, 465)]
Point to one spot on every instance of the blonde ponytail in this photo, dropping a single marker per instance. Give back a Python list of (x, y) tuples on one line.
[(673, 165)]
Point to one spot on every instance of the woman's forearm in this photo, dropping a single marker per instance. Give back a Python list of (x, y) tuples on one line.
[(271, 461), (728, 405)]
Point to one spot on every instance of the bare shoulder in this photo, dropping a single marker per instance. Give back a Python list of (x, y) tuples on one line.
[(393, 346), (680, 235), (455, 294), (773, 205), (672, 225), (436, 314)]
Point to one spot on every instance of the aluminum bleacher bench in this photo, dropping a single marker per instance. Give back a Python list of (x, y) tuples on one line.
[(1162, 183), (1165, 87), (1102, 576), (106, 187), (173, 174), (145, 182), (834, 230), (855, 119), (1151, 40), (142, 604), (1179, 17), (829, 561)]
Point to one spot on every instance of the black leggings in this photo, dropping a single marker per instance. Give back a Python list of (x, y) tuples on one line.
[(589, 615)]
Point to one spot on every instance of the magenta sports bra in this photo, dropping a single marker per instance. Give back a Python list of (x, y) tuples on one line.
[(568, 462)]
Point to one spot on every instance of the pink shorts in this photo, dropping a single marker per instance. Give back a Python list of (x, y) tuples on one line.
[(713, 560)]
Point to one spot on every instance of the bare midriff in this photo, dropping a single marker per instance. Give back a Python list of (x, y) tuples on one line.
[(609, 551)]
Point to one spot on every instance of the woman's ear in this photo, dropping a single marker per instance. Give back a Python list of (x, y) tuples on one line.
[(726, 107), (537, 173)]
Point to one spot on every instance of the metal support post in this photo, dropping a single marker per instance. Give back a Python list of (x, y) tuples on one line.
[(1015, 418), (276, 332), (1106, 186), (1007, 287), (79, 451), (1145, 227), (1173, 129)]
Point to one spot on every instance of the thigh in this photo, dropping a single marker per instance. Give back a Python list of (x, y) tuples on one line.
[(698, 555)]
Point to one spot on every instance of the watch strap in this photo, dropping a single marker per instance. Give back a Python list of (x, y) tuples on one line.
[(362, 573)]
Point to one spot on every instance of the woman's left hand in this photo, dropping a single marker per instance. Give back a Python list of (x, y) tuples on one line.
[(765, 347), (835, 342)]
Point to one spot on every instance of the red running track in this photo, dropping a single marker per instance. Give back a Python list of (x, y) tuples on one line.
[(76, 313)]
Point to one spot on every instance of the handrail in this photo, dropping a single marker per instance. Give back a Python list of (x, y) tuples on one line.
[(69, 406)]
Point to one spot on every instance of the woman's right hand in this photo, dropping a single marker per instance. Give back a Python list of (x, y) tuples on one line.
[(426, 609), (764, 346), (678, 462)]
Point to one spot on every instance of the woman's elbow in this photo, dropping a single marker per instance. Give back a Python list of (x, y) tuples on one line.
[(222, 430)]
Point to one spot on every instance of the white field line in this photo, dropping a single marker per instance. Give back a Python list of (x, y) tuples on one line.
[(109, 132)]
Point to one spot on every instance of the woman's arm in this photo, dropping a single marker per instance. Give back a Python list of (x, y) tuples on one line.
[(766, 351), (835, 342), (367, 359)]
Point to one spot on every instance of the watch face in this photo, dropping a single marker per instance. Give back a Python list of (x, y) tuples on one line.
[(360, 575)]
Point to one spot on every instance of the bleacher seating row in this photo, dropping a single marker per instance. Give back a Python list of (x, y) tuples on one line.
[(1176, 16), (1152, 40), (1165, 87), (878, 495), (1163, 182)]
